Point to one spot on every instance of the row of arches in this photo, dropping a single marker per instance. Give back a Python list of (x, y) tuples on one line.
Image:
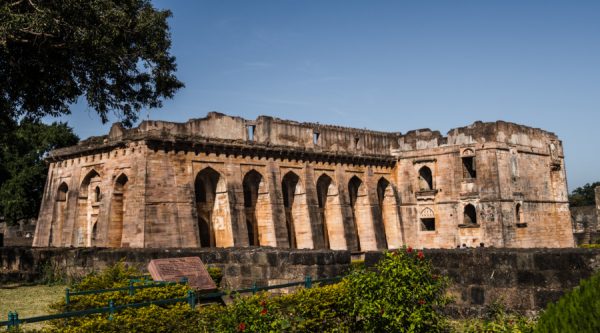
[(302, 227), (89, 200)]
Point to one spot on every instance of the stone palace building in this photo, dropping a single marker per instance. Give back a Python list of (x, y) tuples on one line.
[(224, 181)]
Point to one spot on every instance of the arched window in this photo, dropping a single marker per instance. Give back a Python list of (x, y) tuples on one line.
[(60, 212), (331, 214), (518, 213), (97, 194), (425, 179), (470, 215), (257, 203), (118, 208), (362, 215), (296, 212)]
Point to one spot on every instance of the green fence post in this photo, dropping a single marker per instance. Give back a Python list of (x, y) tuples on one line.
[(307, 282), (16, 319), (111, 311), (254, 289), (67, 297), (10, 320), (191, 299), (131, 288)]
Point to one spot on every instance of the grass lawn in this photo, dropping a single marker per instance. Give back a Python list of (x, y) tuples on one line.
[(29, 301)]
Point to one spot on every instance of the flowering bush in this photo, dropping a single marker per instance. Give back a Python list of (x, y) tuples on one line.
[(402, 294)]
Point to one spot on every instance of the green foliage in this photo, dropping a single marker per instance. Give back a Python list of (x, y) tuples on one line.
[(150, 319), (583, 196), (322, 309), (401, 295), (23, 171), (590, 246), (577, 311), (216, 274), (497, 320), (115, 53), (357, 265)]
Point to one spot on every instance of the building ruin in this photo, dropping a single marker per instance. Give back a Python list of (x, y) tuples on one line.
[(224, 181)]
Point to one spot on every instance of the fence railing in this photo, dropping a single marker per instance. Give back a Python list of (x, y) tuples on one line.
[(191, 299)]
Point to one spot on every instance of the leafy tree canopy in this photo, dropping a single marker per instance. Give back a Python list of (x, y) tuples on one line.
[(114, 53), (23, 170), (583, 196)]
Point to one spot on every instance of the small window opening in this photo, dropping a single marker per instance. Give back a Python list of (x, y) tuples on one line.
[(425, 179), (250, 129), (316, 138), (469, 171), (518, 214), (428, 224), (356, 141), (470, 215), (98, 195)]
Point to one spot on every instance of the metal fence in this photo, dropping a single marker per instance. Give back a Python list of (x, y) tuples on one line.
[(191, 298)]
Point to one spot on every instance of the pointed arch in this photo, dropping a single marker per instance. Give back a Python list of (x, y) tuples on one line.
[(361, 214), (425, 179), (213, 210), (257, 203), (470, 215), (60, 213), (331, 213), (118, 207), (87, 208), (296, 212), (389, 213)]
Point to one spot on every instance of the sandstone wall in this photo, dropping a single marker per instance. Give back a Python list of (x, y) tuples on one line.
[(225, 181)]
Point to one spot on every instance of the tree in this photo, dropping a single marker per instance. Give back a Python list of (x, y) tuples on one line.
[(114, 53), (23, 170), (583, 196)]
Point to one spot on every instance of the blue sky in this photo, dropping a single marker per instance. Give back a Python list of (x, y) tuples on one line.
[(391, 66)]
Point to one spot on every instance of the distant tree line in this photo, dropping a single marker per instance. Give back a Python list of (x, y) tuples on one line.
[(583, 196)]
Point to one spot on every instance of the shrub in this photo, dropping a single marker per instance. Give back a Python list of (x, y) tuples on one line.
[(577, 311), (402, 294), (496, 320), (216, 274)]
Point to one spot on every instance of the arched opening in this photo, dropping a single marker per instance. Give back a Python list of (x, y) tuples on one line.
[(257, 203), (470, 215), (87, 209), (330, 213), (389, 213), (94, 232), (97, 194), (361, 213), (60, 213), (425, 179), (212, 207), (118, 209), (518, 214), (296, 212)]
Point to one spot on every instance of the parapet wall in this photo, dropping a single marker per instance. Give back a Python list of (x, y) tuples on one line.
[(523, 279), (274, 132)]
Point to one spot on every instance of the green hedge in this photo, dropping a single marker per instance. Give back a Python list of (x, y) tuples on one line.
[(400, 294), (577, 311)]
